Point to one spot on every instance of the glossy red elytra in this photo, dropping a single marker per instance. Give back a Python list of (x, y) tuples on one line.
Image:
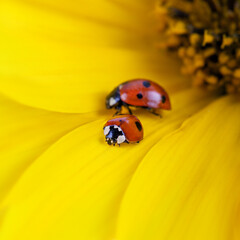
[(138, 93), (123, 128)]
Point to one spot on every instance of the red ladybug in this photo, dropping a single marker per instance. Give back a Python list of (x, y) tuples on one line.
[(138, 93), (123, 128)]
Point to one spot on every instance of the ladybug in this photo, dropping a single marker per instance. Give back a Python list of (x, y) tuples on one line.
[(123, 128), (138, 93)]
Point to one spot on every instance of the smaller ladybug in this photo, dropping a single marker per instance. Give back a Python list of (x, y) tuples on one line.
[(139, 93), (123, 128)]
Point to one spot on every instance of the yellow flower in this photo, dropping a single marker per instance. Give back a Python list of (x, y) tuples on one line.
[(59, 179), (206, 35)]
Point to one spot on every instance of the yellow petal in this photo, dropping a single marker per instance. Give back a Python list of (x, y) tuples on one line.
[(187, 186), (73, 190), (66, 56), (67, 60), (25, 133)]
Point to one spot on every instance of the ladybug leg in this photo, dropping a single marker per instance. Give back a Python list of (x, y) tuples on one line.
[(153, 111), (116, 113), (129, 110), (119, 108), (127, 107)]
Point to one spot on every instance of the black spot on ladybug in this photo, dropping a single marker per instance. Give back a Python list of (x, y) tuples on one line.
[(146, 84), (163, 99), (139, 96), (139, 126)]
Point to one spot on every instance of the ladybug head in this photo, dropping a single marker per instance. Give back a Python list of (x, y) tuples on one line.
[(114, 135), (113, 99), (165, 102)]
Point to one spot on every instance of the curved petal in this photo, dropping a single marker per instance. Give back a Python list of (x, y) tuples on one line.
[(187, 186), (73, 190), (25, 133), (58, 57)]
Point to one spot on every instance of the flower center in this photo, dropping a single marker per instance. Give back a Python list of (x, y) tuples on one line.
[(205, 33)]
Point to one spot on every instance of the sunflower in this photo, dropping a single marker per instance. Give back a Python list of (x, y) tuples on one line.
[(59, 179)]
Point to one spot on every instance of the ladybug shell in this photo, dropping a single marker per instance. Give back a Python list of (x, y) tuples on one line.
[(144, 93), (130, 125)]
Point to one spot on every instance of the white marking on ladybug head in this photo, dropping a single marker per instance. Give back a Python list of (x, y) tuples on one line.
[(112, 101), (120, 87), (106, 130), (117, 127), (121, 139)]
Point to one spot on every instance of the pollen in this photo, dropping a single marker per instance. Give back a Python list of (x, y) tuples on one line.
[(206, 36)]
